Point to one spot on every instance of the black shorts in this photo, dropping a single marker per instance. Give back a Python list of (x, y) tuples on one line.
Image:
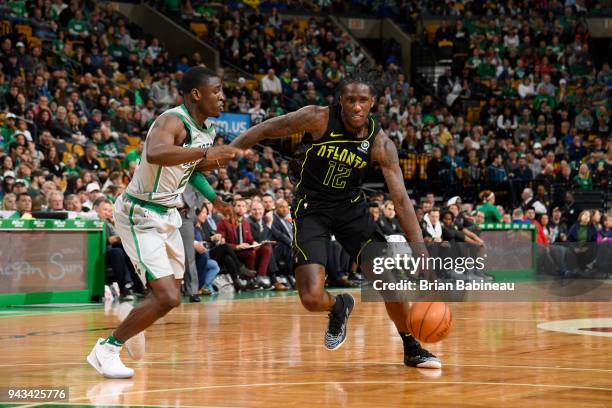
[(314, 223)]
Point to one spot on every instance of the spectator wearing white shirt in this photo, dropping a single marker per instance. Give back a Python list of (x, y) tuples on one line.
[(526, 89), (271, 85), (512, 40)]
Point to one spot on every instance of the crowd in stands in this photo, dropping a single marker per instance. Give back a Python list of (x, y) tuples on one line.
[(516, 128)]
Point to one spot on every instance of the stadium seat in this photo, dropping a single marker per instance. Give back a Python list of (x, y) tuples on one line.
[(78, 149), (133, 141), (302, 25), (430, 31), (35, 42), (5, 27), (200, 29), (24, 29), (251, 84)]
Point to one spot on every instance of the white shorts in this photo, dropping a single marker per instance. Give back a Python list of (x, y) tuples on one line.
[(151, 239)]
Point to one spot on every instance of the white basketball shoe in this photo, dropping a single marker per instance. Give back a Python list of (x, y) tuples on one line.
[(106, 360)]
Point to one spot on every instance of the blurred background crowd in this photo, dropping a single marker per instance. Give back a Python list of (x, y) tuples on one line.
[(512, 125)]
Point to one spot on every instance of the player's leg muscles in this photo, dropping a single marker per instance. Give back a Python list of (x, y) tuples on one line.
[(397, 311), (165, 295), (310, 279)]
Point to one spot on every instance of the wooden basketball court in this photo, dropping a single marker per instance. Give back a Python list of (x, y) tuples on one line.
[(268, 352)]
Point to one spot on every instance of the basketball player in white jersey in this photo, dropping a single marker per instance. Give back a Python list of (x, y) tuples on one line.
[(177, 147)]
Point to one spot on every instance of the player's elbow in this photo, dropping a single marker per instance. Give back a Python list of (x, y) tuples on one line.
[(154, 157)]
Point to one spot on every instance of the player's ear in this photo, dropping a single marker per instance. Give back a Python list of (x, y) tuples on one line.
[(195, 94)]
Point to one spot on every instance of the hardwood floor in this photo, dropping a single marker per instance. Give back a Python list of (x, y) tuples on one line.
[(268, 352)]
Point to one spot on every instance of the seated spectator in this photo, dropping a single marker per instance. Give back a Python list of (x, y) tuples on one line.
[(583, 180), (605, 234), (117, 261), (90, 160), (9, 202), (237, 234), (388, 223), (282, 233), (262, 230), (73, 203), (55, 201), (207, 267), (271, 86), (432, 228), (219, 251), (93, 192), (528, 201), (583, 230), (23, 206)]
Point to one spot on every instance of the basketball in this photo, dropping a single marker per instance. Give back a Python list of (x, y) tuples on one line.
[(430, 322)]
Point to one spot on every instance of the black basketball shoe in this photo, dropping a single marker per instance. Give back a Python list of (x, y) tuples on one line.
[(417, 356), (338, 319)]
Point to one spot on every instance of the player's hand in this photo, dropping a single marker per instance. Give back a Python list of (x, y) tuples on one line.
[(223, 153)]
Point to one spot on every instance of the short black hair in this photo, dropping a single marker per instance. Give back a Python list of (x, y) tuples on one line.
[(448, 212), (22, 195), (195, 77), (362, 75)]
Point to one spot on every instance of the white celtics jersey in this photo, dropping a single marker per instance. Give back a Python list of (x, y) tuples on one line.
[(165, 184)]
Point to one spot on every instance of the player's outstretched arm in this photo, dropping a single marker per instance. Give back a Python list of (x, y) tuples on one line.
[(162, 145), (307, 119), (385, 154)]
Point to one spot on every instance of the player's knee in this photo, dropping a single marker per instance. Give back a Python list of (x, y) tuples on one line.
[(169, 299), (311, 301)]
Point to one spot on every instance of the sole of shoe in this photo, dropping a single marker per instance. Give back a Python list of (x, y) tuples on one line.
[(430, 364)]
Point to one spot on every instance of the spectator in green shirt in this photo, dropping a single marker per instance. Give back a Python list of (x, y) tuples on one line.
[(583, 180), (488, 207), (133, 156), (24, 205), (18, 8), (117, 50), (78, 27), (72, 169)]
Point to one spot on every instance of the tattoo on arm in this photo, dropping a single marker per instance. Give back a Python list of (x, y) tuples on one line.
[(303, 120), (389, 162)]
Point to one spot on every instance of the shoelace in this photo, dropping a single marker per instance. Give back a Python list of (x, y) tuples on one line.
[(335, 324)]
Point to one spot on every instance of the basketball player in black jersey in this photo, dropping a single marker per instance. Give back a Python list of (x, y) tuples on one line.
[(342, 141)]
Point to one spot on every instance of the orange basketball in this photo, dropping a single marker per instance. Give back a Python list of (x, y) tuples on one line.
[(430, 322)]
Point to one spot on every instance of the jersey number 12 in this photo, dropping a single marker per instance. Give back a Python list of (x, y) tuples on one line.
[(337, 174)]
